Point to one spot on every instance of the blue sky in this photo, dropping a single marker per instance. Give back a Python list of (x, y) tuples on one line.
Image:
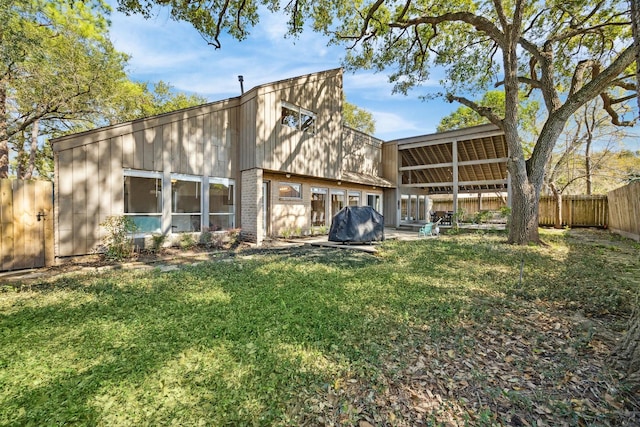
[(163, 49)]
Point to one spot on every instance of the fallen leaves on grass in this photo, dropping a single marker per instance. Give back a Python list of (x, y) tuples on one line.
[(528, 366)]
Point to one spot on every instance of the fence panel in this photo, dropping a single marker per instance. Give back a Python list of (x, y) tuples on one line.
[(577, 211), (624, 210), (26, 224)]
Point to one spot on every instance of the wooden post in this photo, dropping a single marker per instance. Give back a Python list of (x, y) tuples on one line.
[(454, 155)]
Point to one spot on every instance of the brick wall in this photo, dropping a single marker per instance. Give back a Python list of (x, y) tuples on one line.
[(251, 214)]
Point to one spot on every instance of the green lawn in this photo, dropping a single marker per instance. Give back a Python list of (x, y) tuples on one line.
[(429, 331)]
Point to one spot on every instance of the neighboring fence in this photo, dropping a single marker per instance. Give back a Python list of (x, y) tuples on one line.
[(624, 211), (26, 224), (577, 211)]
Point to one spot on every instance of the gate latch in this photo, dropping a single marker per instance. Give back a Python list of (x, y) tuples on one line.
[(40, 215)]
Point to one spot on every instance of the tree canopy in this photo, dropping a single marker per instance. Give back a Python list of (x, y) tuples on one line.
[(358, 118), (59, 73)]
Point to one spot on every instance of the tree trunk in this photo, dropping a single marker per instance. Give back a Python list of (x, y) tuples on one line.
[(628, 353), (28, 173), (4, 137), (587, 166), (523, 225), (557, 198), (635, 26)]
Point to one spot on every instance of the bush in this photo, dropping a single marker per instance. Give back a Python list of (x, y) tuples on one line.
[(482, 217), (187, 241), (157, 243), (118, 241)]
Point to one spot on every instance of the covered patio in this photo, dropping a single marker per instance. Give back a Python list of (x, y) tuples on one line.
[(466, 161)]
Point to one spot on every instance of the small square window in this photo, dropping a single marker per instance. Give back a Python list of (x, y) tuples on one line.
[(298, 118), (288, 190), (290, 117)]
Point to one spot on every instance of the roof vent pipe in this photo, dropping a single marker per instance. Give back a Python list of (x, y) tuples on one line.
[(241, 80)]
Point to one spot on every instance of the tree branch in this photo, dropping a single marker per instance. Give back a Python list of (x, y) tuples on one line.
[(486, 112), (608, 107), (479, 22)]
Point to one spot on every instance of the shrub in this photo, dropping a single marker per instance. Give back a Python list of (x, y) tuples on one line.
[(187, 241), (286, 232), (118, 240), (157, 242), (482, 216)]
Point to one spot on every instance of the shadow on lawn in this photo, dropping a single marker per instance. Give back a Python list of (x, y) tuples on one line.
[(234, 342), (256, 331)]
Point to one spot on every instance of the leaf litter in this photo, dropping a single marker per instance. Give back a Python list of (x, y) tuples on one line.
[(533, 365)]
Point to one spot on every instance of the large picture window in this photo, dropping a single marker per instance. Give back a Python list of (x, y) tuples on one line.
[(186, 203), (221, 204), (298, 118), (143, 200)]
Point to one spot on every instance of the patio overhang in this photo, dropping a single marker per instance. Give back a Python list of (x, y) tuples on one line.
[(366, 179), (471, 160)]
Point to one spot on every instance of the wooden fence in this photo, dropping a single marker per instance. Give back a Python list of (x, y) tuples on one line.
[(577, 211), (624, 210), (26, 224)]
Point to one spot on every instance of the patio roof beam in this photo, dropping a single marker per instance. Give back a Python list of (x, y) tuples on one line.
[(450, 184), (444, 165)]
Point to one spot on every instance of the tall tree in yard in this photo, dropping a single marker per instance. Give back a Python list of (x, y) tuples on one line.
[(566, 53), (56, 66), (629, 349)]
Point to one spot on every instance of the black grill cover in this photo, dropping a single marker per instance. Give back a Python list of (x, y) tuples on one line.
[(357, 224)]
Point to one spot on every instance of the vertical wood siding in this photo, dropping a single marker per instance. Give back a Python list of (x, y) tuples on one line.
[(280, 148), (89, 166), (361, 153)]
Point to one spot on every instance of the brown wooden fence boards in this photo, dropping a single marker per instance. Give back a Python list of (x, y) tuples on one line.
[(624, 210), (577, 211), (26, 224)]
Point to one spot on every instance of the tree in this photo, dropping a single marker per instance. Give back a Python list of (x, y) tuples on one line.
[(136, 100), (565, 52), (60, 74), (635, 23), (57, 67), (358, 118)]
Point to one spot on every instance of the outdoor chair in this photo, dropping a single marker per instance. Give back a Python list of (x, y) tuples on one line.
[(430, 229)]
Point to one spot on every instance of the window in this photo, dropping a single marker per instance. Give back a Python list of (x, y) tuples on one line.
[(288, 190), (318, 206), (222, 211), (354, 198), (298, 118), (186, 203), (375, 201), (337, 201), (143, 200)]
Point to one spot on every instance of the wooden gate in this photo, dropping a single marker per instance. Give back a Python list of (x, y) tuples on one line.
[(26, 224)]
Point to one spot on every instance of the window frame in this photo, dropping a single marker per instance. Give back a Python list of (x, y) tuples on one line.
[(354, 193), (134, 173), (228, 182), (198, 179), (311, 129), (289, 184)]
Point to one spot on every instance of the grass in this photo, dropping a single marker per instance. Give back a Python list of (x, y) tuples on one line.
[(299, 337)]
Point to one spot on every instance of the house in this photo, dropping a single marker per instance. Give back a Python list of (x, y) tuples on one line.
[(277, 157)]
